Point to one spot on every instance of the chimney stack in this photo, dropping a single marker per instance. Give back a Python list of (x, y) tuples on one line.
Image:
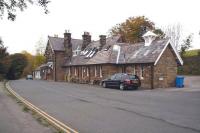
[(102, 41), (86, 40), (67, 37), (67, 44)]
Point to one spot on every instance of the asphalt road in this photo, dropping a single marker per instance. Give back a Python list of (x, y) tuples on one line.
[(14, 120), (92, 109)]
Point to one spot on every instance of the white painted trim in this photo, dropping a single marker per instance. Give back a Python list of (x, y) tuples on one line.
[(177, 54), (100, 71), (118, 54), (134, 70), (82, 72), (75, 71), (69, 71), (95, 71), (175, 51), (50, 45), (87, 72)]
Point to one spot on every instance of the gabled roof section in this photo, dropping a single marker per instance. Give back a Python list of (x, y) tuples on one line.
[(57, 43), (174, 50), (145, 54)]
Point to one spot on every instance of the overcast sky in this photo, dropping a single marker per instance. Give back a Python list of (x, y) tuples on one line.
[(96, 17)]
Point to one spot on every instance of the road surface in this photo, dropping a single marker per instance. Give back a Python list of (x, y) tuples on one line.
[(92, 109)]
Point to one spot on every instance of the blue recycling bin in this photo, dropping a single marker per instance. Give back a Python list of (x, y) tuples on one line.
[(179, 81)]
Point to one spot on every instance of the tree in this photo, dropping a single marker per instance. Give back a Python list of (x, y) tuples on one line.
[(10, 6), (133, 29), (186, 44), (30, 66), (174, 33), (4, 64), (17, 64), (39, 57), (159, 32), (40, 46)]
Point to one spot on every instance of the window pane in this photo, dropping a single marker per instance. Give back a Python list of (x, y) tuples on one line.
[(132, 77), (112, 77), (118, 77)]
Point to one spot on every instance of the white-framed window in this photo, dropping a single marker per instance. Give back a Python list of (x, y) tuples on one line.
[(75, 71), (95, 71), (142, 71), (69, 71), (87, 71), (134, 70), (49, 70), (82, 72), (100, 71)]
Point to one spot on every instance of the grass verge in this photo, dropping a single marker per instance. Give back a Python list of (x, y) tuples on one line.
[(37, 117)]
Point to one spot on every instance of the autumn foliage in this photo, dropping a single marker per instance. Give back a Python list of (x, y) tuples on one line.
[(133, 28)]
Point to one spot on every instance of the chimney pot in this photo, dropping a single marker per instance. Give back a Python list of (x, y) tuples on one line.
[(86, 40), (102, 40)]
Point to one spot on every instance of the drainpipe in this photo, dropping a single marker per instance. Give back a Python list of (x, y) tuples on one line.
[(118, 49), (152, 76), (55, 79)]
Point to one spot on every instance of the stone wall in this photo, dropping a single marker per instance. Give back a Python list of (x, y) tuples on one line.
[(145, 77), (87, 74), (82, 76), (166, 70), (163, 74), (59, 72)]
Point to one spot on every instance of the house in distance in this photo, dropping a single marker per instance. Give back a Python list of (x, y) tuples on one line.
[(155, 60)]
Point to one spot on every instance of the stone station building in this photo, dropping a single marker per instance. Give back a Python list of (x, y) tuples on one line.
[(155, 60)]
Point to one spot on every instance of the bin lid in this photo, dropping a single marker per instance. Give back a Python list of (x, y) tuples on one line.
[(179, 76)]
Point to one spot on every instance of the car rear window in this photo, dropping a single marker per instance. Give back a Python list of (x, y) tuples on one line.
[(132, 77), (29, 76)]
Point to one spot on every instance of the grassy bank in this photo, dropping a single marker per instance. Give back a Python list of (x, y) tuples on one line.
[(191, 63)]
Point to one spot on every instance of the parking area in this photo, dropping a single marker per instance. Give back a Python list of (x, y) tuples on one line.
[(90, 109), (191, 84)]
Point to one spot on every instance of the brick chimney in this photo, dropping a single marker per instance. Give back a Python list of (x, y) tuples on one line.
[(86, 40), (68, 44), (102, 40)]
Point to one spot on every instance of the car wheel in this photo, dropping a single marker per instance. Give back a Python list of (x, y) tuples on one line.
[(104, 84), (121, 86)]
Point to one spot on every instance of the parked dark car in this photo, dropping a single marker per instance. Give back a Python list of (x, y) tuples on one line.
[(29, 77), (122, 81)]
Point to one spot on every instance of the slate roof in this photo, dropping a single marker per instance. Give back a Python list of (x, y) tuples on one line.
[(129, 53), (109, 41), (57, 43), (101, 57)]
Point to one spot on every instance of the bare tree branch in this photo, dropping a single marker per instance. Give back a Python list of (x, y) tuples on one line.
[(174, 32)]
